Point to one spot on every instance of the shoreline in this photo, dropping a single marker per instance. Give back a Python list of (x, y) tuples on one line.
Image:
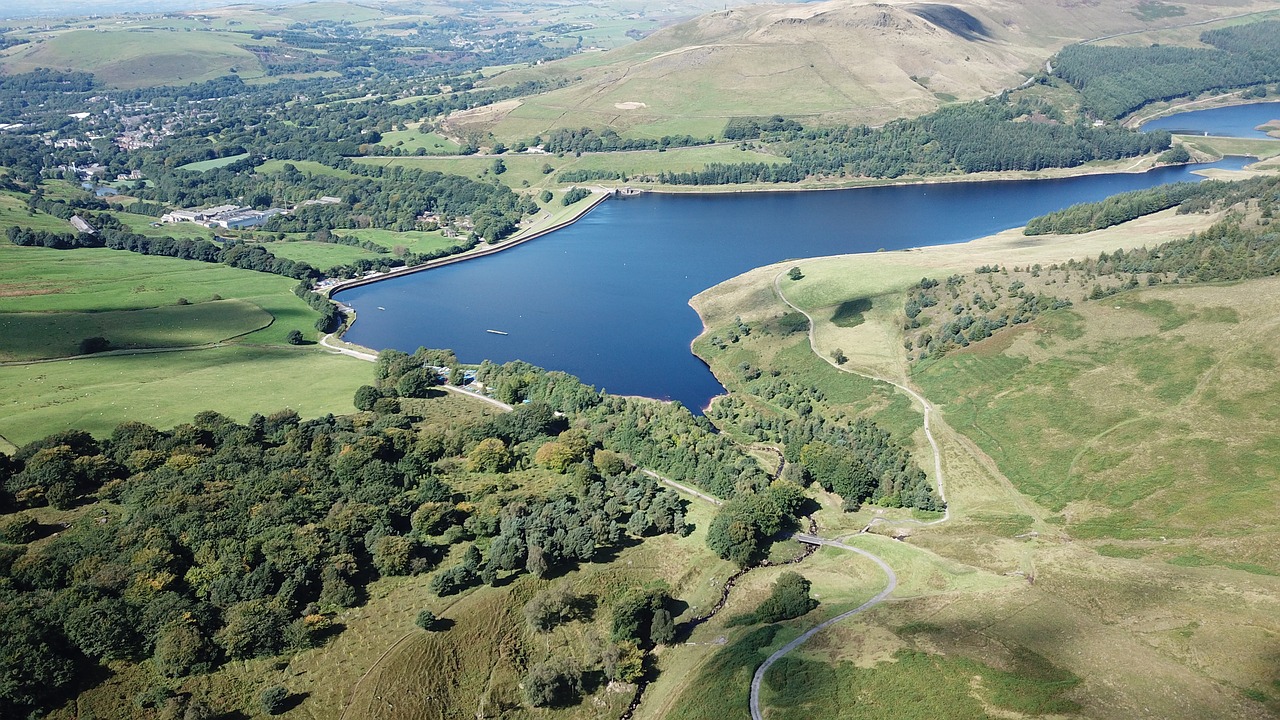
[(1141, 164), (515, 240), (1144, 164)]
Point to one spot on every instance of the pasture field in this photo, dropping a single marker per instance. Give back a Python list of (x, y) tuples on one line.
[(55, 298), (31, 336), (306, 167), (213, 164), (410, 140), (164, 389), (142, 224), (527, 169), (36, 279), (136, 58), (317, 254), (413, 241), (13, 211)]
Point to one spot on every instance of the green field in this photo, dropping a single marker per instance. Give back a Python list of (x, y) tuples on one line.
[(306, 167), (164, 389), (90, 280), (29, 336), (319, 255), (418, 242), (13, 211), (213, 164), (527, 170), (413, 138), (54, 298), (142, 224), (135, 58)]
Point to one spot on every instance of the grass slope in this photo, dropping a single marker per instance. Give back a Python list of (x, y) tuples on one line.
[(827, 62), (136, 58), (54, 298), (28, 336), (1140, 429), (98, 393)]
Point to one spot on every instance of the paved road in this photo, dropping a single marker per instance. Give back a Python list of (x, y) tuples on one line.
[(892, 584), (889, 587)]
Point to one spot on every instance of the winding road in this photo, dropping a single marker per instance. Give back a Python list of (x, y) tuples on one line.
[(892, 583), (890, 586)]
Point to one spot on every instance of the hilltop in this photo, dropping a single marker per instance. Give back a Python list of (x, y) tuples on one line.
[(830, 62)]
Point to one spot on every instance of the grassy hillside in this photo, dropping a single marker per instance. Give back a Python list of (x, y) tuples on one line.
[(837, 61), (1116, 457), (53, 299), (140, 57)]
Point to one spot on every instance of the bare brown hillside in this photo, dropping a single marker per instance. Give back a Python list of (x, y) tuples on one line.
[(836, 61)]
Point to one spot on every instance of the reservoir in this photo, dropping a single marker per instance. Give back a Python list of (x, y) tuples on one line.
[(606, 298), (1234, 121)]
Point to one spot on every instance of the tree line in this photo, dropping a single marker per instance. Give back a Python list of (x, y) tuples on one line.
[(990, 135), (1187, 197), (1114, 81)]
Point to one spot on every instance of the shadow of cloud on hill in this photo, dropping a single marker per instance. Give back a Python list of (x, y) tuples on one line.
[(952, 19)]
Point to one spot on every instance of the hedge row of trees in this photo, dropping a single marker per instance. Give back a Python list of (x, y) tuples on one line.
[(1114, 81), (606, 140), (233, 253), (750, 128)]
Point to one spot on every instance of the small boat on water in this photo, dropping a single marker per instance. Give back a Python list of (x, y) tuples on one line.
[(495, 332), (381, 308)]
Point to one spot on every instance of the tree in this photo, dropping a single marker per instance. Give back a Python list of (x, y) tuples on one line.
[(498, 166), (295, 337), (551, 607), (392, 555), (417, 383), (273, 700), (662, 629), (555, 682), (789, 599), (795, 273), (554, 456), (839, 356), (95, 344), (426, 620), (624, 661), (366, 396), (489, 455)]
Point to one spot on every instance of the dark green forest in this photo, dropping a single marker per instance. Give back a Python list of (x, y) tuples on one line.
[(995, 134), (1115, 81), (1187, 197)]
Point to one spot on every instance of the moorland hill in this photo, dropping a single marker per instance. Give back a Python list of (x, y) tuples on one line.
[(830, 62)]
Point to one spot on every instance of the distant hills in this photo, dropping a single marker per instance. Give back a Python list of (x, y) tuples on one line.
[(836, 61)]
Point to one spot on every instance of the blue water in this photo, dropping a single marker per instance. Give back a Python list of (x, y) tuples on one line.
[(1234, 121), (606, 298)]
